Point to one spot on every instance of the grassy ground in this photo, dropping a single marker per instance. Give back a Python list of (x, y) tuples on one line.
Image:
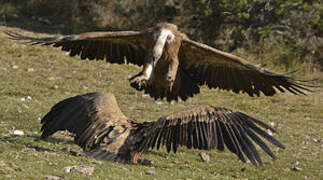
[(48, 75)]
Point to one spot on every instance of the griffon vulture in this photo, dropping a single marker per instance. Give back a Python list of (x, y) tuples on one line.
[(173, 65), (105, 133)]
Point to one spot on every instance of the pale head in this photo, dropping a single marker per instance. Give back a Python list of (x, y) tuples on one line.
[(164, 34)]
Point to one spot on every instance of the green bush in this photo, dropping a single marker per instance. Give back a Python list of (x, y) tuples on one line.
[(255, 26)]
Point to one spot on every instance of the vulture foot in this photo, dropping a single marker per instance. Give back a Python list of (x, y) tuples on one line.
[(139, 82)]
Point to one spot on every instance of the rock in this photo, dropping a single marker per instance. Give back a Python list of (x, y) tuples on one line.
[(317, 140), (145, 162), (18, 133), (295, 168), (53, 178), (51, 78), (88, 170), (2, 163), (205, 157), (159, 102), (150, 172), (10, 176)]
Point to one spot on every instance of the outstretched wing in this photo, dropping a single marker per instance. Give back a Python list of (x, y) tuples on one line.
[(69, 114), (91, 117), (114, 47), (217, 69), (213, 128)]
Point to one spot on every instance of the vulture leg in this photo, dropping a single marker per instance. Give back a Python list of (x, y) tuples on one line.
[(172, 71), (140, 80)]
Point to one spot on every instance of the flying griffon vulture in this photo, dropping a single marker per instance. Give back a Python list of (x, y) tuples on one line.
[(105, 133), (173, 65)]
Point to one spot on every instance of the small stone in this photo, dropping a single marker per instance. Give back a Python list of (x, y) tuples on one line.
[(272, 124), (10, 176), (53, 178), (2, 163), (295, 168), (125, 169), (30, 70), (55, 87), (317, 140), (150, 172), (159, 102), (205, 157), (18, 132), (88, 170), (29, 98), (15, 67), (146, 162), (23, 99)]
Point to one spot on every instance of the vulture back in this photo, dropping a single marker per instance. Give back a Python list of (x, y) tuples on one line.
[(88, 116)]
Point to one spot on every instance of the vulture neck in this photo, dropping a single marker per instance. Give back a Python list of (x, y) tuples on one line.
[(110, 105)]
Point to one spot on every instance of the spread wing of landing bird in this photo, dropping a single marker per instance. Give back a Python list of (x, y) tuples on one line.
[(173, 65), (105, 133)]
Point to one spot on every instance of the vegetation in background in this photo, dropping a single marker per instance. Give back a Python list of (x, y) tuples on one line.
[(282, 32), (34, 78)]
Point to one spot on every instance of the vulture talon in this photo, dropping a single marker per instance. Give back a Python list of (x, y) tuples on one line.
[(139, 82)]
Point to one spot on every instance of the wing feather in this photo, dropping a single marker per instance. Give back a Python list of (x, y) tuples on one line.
[(99, 45), (87, 116), (232, 72), (209, 127)]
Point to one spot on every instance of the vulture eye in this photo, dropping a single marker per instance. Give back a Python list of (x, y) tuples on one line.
[(170, 38)]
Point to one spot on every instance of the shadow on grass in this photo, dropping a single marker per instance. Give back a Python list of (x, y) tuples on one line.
[(20, 142)]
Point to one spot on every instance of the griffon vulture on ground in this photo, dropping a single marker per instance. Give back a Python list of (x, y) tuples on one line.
[(173, 65), (105, 133)]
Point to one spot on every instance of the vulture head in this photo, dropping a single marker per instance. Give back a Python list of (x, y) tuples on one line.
[(105, 133)]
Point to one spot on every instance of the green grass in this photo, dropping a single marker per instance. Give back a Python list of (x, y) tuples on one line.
[(48, 75)]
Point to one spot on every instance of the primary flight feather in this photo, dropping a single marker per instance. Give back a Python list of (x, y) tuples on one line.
[(105, 133), (173, 65)]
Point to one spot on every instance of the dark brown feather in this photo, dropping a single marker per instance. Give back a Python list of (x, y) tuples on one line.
[(96, 45), (232, 72), (210, 127), (105, 133)]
